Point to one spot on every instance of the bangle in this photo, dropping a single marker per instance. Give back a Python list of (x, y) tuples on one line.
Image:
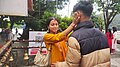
[(73, 25)]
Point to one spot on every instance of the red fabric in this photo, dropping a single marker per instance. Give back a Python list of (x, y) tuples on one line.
[(109, 40)]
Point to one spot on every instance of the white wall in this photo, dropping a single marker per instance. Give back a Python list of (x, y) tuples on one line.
[(14, 7)]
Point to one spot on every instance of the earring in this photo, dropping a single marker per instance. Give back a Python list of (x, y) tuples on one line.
[(48, 30)]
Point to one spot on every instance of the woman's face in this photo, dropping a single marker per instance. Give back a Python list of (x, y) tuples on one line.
[(53, 26)]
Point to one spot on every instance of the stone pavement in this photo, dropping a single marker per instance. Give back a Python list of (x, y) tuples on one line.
[(115, 59)]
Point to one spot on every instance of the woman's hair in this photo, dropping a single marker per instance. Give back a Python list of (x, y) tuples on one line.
[(109, 30), (49, 19), (48, 22), (114, 29)]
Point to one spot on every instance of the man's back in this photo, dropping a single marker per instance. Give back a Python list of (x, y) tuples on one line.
[(87, 47), (93, 45), (90, 39)]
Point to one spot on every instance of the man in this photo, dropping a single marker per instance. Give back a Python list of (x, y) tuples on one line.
[(87, 46)]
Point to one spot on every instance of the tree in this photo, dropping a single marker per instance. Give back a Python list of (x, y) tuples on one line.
[(37, 18), (110, 8), (43, 9), (97, 20), (40, 24), (65, 22), (40, 6), (3, 23)]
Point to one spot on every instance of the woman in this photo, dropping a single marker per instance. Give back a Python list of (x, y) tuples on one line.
[(109, 37), (115, 40), (57, 40)]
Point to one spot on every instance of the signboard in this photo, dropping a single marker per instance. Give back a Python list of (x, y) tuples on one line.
[(36, 35), (14, 7)]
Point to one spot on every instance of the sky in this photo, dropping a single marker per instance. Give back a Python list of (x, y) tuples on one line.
[(68, 9)]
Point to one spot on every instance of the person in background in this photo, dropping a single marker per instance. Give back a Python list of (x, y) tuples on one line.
[(16, 30), (115, 40), (3, 34), (109, 36), (10, 35), (57, 39), (87, 46)]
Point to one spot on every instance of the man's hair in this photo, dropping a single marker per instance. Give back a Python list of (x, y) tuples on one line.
[(85, 6)]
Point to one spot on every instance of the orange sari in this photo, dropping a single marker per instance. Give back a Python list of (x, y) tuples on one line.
[(59, 46)]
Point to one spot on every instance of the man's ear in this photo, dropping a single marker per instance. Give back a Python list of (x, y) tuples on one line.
[(79, 13)]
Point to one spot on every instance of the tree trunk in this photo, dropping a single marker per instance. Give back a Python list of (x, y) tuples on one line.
[(106, 27)]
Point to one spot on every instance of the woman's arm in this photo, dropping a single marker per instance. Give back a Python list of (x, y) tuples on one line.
[(60, 36), (53, 38), (71, 26)]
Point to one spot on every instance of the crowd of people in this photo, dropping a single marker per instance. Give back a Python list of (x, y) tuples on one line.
[(112, 36)]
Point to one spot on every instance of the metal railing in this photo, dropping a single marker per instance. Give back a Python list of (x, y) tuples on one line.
[(6, 51)]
